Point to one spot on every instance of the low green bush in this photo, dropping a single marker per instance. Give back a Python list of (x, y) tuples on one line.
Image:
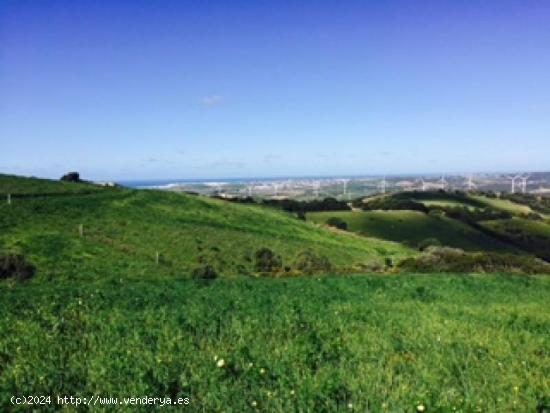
[(266, 260), (205, 272), (308, 262), (15, 266), (444, 259), (337, 223)]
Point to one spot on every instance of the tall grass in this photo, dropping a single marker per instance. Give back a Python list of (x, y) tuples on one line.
[(364, 343)]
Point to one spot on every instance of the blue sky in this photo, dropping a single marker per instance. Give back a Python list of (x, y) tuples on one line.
[(177, 89)]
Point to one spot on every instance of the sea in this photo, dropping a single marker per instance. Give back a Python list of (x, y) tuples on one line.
[(168, 183)]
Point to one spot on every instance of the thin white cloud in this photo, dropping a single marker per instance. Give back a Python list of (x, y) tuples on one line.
[(212, 100)]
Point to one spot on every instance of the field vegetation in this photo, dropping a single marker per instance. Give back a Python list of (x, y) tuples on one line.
[(362, 343), (126, 228), (413, 227), (245, 307)]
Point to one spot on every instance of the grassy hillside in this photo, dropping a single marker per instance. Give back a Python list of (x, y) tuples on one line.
[(503, 204), (366, 343), (530, 234), (21, 187), (123, 229), (412, 227), (102, 318)]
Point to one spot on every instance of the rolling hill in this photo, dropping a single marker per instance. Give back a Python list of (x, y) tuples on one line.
[(125, 228), (413, 227), (102, 318)]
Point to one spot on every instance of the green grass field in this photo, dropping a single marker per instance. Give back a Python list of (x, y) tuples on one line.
[(411, 227), (445, 203), (376, 343), (470, 201), (101, 317), (502, 204), (124, 228), (532, 235)]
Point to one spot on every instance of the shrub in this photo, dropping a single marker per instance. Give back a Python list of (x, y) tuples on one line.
[(15, 266), (266, 260), (394, 203), (337, 223), (428, 242), (444, 259), (292, 205), (308, 262), (373, 266), (71, 177), (204, 272)]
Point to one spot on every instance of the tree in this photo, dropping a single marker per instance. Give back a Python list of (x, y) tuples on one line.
[(337, 223), (71, 177), (267, 261)]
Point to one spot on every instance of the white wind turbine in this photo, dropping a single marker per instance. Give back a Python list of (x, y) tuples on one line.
[(345, 182), (524, 183), (443, 182), (513, 180), (470, 183), (316, 185), (424, 184), (383, 185)]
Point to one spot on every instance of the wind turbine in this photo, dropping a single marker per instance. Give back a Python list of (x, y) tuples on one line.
[(345, 182), (423, 182), (470, 183), (524, 183), (316, 185), (383, 185), (443, 182), (513, 179)]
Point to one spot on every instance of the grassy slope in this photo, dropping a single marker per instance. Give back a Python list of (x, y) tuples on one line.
[(533, 235), (18, 186), (445, 203), (536, 228), (470, 201), (454, 342), (411, 227), (502, 204), (124, 228), (124, 329)]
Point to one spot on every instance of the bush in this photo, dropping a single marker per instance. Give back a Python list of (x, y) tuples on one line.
[(266, 260), (373, 266), (71, 177), (337, 223), (394, 203), (204, 272), (15, 266), (308, 262), (428, 242), (444, 259), (292, 205)]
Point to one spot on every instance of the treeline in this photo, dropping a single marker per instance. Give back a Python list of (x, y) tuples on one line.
[(536, 203), (390, 203), (316, 205), (293, 205)]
